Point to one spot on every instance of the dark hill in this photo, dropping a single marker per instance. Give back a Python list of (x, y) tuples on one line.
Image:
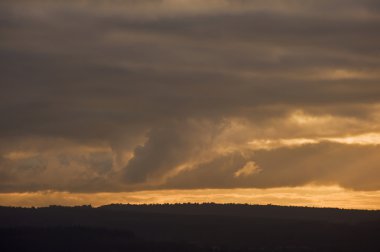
[(189, 227)]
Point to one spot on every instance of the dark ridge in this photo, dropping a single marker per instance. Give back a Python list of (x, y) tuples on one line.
[(246, 210), (188, 227)]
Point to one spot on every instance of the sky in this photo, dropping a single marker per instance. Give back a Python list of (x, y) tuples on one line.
[(154, 101)]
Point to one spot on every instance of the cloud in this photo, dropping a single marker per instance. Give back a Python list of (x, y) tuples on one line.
[(127, 95), (60, 165), (168, 148), (248, 169), (350, 166)]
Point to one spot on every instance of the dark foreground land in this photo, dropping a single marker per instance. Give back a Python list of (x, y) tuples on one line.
[(188, 227)]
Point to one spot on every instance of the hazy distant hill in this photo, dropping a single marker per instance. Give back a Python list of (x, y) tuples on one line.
[(188, 227)]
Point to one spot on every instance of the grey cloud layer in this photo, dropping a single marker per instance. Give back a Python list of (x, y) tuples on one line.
[(137, 76), (354, 167)]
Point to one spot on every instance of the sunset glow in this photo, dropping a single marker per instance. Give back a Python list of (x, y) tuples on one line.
[(259, 102)]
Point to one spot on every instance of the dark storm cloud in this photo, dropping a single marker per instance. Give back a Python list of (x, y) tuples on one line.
[(167, 147), (136, 76)]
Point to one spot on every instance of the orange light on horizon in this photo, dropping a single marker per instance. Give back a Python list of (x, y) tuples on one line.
[(311, 196)]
